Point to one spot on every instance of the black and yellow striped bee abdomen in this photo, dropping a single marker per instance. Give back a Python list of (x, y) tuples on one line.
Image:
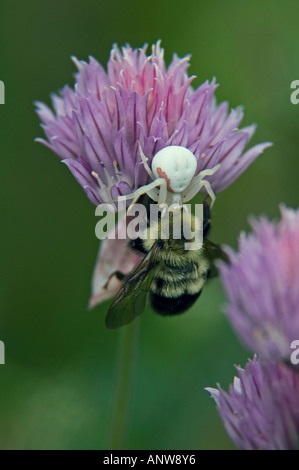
[(179, 274), (175, 288)]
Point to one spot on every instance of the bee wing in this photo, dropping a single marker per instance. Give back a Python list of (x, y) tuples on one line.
[(130, 300), (214, 253)]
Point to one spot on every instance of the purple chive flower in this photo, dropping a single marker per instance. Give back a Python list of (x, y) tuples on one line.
[(96, 128), (262, 285), (261, 409)]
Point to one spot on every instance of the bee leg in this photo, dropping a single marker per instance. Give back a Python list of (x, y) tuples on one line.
[(118, 274), (206, 219), (137, 245)]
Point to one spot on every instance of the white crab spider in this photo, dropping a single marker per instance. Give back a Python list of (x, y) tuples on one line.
[(174, 183)]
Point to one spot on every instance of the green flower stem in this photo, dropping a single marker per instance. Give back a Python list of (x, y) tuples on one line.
[(124, 377)]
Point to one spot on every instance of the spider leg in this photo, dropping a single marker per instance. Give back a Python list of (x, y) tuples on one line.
[(147, 189), (153, 194), (192, 189), (196, 184), (163, 191), (209, 171), (209, 190)]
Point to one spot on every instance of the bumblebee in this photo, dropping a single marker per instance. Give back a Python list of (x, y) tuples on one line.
[(173, 276)]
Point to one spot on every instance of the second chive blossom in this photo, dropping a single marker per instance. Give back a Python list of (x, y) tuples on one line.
[(262, 285)]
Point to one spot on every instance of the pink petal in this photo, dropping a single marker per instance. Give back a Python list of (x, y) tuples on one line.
[(114, 255)]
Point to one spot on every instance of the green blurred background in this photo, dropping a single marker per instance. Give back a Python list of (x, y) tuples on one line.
[(57, 384)]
